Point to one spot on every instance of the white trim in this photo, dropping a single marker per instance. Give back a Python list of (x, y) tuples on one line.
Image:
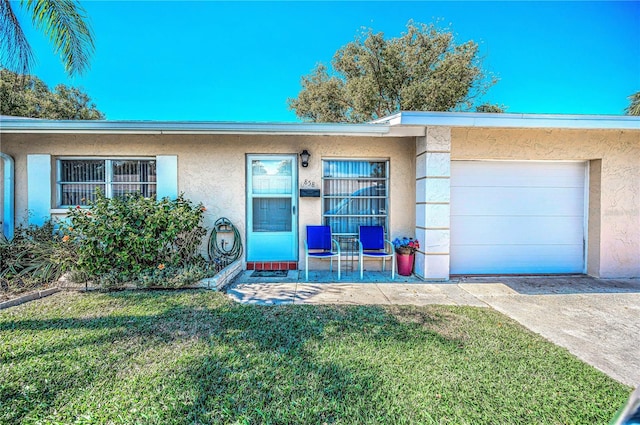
[(478, 119), (105, 157), (351, 158), (108, 177), (401, 124), (387, 197), (21, 125), (519, 160), (587, 188)]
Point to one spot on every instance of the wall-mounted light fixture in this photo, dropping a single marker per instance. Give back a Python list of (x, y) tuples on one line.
[(304, 158)]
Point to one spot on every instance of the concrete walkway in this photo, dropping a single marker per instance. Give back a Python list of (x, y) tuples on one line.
[(597, 320)]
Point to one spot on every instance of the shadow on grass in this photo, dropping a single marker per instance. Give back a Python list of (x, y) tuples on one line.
[(259, 364), (198, 358), (295, 364)]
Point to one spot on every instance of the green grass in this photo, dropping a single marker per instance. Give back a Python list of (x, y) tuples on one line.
[(195, 357)]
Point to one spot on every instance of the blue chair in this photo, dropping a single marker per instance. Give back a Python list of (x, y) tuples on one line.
[(319, 245), (372, 244)]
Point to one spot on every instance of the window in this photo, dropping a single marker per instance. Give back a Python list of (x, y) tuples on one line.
[(78, 179), (355, 193)]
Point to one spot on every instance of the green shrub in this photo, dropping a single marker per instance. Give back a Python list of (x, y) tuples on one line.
[(173, 277), (139, 240), (35, 256)]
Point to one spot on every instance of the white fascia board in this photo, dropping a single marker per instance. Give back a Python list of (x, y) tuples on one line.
[(401, 124), (19, 125), (395, 119), (477, 119), (407, 131)]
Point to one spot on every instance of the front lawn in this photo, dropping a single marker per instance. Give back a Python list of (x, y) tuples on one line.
[(195, 357)]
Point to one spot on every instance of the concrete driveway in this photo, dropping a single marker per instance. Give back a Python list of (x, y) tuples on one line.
[(598, 320)]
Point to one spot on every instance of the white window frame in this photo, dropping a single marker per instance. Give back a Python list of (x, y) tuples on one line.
[(386, 179), (108, 182)]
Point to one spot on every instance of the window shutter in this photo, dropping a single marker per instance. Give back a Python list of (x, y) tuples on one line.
[(167, 176), (39, 188)]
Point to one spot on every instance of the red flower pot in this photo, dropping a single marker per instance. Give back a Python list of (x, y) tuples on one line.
[(405, 264)]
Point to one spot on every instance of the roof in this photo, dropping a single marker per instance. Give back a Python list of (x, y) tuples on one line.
[(479, 119), (22, 125), (398, 125)]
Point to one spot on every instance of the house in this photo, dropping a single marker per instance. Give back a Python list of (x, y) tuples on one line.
[(484, 193)]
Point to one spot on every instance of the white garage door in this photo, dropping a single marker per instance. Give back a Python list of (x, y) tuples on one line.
[(517, 217)]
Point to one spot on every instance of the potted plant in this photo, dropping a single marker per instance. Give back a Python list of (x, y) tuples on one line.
[(405, 252)]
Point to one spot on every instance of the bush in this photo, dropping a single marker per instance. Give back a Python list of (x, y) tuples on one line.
[(35, 256), (173, 277), (139, 240)]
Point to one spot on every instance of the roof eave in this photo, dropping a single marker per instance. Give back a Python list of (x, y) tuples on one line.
[(494, 120), (183, 127)]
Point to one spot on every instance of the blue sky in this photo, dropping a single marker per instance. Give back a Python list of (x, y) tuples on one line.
[(240, 61)]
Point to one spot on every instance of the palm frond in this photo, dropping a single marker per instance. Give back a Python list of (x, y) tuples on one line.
[(15, 52), (64, 22), (634, 105)]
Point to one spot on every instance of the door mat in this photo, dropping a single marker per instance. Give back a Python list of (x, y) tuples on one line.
[(269, 273)]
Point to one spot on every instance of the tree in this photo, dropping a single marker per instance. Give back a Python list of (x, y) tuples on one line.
[(62, 21), (491, 108), (423, 70), (29, 96), (634, 104)]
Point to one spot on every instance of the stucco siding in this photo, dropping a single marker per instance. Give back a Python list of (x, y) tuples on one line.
[(594, 229), (613, 221), (212, 168)]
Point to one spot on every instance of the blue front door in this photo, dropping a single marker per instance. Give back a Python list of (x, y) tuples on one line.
[(272, 228)]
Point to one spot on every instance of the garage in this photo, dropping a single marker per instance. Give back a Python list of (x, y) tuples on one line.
[(517, 217)]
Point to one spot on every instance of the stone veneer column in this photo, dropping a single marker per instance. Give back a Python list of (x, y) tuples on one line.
[(433, 188)]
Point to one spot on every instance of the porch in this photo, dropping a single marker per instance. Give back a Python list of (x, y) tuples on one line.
[(322, 277), (376, 287)]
